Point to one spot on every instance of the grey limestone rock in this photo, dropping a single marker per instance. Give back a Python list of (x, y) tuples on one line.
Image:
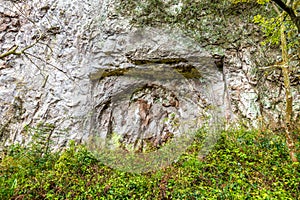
[(90, 73)]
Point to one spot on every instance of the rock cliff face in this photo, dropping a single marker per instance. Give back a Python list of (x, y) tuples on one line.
[(79, 66)]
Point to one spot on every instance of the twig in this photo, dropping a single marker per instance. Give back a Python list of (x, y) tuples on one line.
[(289, 10), (65, 73), (14, 51), (10, 52), (35, 65)]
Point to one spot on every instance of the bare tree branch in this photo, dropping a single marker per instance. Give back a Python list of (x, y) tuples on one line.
[(290, 12), (13, 51)]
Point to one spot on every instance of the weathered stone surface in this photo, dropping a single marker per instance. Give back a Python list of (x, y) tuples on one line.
[(163, 87), (92, 73)]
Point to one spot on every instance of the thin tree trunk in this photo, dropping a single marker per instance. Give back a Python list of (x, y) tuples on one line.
[(288, 95)]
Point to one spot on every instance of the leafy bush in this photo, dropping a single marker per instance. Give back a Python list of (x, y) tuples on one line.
[(243, 164)]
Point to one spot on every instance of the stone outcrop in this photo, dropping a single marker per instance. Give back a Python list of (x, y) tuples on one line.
[(88, 72)]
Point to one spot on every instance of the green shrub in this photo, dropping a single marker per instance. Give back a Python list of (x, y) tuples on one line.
[(243, 164)]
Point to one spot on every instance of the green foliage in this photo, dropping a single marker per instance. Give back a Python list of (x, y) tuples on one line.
[(247, 1), (270, 27), (41, 139), (244, 164)]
